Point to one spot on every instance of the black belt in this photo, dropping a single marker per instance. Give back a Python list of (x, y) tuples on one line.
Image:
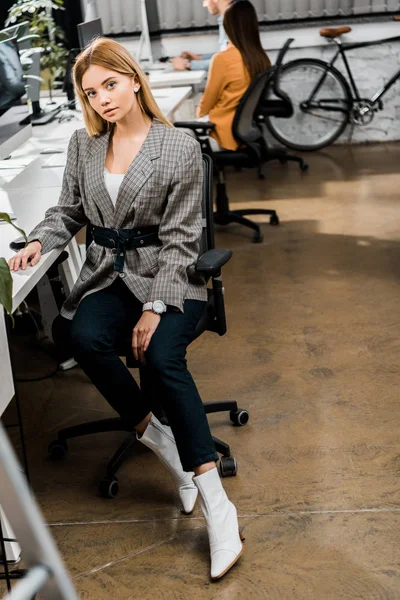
[(121, 240)]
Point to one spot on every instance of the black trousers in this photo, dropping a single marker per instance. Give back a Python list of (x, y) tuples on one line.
[(101, 332)]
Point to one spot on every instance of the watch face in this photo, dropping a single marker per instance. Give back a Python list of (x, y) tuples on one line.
[(158, 307)]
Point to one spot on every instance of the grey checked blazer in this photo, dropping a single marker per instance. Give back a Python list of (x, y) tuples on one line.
[(163, 186)]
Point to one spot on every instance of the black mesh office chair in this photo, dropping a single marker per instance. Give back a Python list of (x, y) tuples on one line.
[(253, 151), (209, 264), (274, 102)]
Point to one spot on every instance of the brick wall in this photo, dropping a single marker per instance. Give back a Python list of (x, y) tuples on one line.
[(371, 68)]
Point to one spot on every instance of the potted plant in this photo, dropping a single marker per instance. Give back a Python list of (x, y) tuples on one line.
[(6, 281), (48, 36)]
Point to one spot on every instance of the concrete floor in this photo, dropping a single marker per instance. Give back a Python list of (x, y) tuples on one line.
[(313, 352)]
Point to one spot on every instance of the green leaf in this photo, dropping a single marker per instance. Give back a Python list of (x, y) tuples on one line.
[(6, 217), (6, 284)]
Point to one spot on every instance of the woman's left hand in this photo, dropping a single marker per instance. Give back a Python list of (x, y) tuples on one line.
[(143, 333)]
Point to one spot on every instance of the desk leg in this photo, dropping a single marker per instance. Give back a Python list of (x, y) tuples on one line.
[(19, 424), (9, 550), (48, 306), (7, 383)]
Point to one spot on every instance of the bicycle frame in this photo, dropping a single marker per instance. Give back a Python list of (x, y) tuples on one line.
[(342, 49)]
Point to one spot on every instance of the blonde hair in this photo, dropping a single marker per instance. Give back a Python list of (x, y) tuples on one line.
[(109, 54)]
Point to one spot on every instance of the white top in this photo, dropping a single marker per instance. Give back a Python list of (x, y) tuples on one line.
[(223, 39), (113, 182)]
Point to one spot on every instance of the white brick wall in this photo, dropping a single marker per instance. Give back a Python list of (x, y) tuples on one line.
[(371, 68)]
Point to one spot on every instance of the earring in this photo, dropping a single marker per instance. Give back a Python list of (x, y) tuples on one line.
[(136, 89)]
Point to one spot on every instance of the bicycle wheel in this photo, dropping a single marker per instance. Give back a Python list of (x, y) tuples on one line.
[(321, 101)]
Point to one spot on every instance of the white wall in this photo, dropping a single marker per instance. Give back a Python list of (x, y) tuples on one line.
[(123, 16)]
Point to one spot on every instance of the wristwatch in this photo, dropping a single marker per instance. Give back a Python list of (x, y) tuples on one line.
[(157, 307)]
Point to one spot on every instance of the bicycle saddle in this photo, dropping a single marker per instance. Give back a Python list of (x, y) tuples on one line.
[(333, 32)]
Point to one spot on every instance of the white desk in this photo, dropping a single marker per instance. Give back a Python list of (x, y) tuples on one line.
[(161, 79), (170, 99), (23, 283)]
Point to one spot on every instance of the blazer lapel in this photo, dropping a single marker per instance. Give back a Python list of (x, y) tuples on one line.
[(139, 171), (94, 178)]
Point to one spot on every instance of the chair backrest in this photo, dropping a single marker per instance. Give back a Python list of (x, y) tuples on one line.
[(213, 318), (278, 66), (282, 107), (244, 127), (208, 242)]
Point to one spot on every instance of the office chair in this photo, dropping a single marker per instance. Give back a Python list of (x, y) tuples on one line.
[(275, 102), (213, 319), (253, 151)]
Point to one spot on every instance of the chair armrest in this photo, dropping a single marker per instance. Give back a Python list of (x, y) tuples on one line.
[(193, 125), (210, 262)]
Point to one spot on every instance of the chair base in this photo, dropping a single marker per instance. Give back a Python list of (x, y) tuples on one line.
[(284, 157), (108, 486), (224, 216)]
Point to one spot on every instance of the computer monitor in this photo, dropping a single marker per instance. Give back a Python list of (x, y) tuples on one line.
[(89, 30), (19, 35), (15, 129), (15, 122), (150, 47), (153, 20)]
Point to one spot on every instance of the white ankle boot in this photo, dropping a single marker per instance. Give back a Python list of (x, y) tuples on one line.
[(160, 439), (222, 523)]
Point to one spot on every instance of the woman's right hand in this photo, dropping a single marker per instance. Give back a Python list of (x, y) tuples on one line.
[(32, 251)]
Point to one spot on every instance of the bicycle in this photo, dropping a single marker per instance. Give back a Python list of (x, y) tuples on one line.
[(324, 102)]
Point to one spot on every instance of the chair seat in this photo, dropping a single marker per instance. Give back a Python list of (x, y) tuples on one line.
[(275, 108), (334, 32), (242, 157)]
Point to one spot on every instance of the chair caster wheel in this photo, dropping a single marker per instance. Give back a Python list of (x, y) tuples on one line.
[(258, 238), (274, 220), (304, 167), (109, 488), (239, 417), (228, 466), (57, 449)]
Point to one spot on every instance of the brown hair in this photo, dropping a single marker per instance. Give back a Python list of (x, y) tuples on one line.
[(109, 54), (241, 26)]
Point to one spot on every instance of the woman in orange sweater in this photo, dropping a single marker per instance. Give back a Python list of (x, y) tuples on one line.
[(232, 70)]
